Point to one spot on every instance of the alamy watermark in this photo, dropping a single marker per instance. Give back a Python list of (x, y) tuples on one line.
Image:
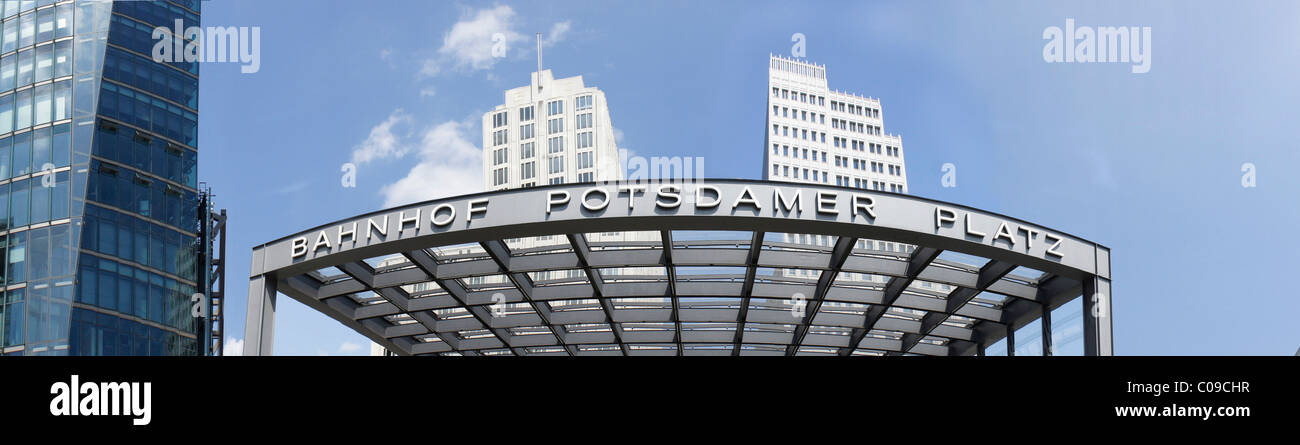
[(1248, 175), (1103, 44), (213, 44)]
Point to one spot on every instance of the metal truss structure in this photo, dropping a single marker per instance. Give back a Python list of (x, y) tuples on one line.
[(691, 284)]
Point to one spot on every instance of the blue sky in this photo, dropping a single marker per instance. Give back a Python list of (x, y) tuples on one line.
[(1147, 164)]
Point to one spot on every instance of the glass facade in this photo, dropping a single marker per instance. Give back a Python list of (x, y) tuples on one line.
[(98, 180)]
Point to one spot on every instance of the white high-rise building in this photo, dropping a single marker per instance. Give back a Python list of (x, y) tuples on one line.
[(552, 131), (823, 136)]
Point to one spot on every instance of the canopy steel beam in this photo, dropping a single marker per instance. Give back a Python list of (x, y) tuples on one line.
[(595, 313)]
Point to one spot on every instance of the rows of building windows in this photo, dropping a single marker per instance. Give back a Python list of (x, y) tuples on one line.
[(39, 26), (806, 98), (37, 254), (150, 113), (797, 172), (861, 164), (100, 334), (35, 200), (873, 148), (35, 151), (792, 132), (143, 195), (144, 152), (868, 184), (160, 13), (138, 37), (12, 7), (818, 100), (855, 127), (136, 70), (43, 318), (859, 110), (786, 151), (134, 292), (39, 64), (796, 114), (138, 240), (38, 320), (35, 106)]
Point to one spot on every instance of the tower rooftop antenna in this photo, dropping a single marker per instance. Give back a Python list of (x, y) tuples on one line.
[(539, 62)]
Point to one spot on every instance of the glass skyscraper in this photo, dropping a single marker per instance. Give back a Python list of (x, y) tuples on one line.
[(99, 199)]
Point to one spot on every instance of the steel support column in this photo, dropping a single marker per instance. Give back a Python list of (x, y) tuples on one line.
[(1046, 321), (1011, 341), (1097, 335), (259, 321)]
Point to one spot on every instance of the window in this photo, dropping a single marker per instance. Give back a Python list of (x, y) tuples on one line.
[(500, 137), (11, 37), (7, 66), (556, 164), (584, 121), (500, 176), (584, 102), (500, 156), (555, 125), (26, 69), (23, 108), (586, 177), (555, 144), (526, 150), (586, 139), (585, 159), (44, 62), (555, 107), (499, 120), (526, 131), (528, 170), (43, 105), (526, 114)]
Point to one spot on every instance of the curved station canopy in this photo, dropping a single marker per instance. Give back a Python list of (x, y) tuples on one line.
[(706, 267)]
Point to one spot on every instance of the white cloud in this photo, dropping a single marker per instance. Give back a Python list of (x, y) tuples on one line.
[(450, 165), (429, 68), (233, 347), (558, 31), (427, 92), (349, 347), (382, 142), (469, 43)]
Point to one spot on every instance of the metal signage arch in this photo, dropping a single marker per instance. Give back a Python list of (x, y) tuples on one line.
[(452, 283)]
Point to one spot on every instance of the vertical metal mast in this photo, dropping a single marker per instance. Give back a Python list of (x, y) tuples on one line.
[(539, 62)]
